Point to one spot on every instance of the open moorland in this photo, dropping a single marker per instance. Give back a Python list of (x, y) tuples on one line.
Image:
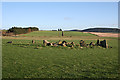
[(23, 59)]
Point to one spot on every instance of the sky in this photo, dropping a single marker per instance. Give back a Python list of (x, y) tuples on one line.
[(64, 15)]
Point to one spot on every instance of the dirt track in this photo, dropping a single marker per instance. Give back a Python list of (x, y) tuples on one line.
[(105, 34)]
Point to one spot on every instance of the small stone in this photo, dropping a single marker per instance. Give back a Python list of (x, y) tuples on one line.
[(81, 47)]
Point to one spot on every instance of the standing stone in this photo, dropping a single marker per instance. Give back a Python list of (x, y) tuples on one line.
[(104, 44), (98, 43), (62, 33), (33, 41)]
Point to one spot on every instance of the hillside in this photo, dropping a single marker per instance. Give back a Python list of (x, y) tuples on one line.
[(105, 30)]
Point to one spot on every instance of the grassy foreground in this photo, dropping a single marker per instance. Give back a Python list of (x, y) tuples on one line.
[(22, 60)]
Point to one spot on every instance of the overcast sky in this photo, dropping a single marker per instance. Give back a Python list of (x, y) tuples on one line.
[(65, 15)]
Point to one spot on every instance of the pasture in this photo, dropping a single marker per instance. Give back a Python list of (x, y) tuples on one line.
[(57, 33), (22, 59)]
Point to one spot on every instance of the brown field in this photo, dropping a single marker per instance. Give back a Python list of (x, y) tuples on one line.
[(105, 34)]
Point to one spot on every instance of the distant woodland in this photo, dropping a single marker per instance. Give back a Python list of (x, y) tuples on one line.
[(19, 30)]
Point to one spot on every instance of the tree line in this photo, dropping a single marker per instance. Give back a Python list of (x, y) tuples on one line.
[(20, 30), (59, 29)]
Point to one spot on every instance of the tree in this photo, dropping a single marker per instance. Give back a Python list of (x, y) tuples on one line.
[(20, 30), (29, 30), (60, 29)]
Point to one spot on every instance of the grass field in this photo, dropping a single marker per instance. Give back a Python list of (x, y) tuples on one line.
[(57, 33), (22, 59)]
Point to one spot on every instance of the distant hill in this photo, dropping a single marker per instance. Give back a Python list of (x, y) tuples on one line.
[(76, 30), (104, 30)]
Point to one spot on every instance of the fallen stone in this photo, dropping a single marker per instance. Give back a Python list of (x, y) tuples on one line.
[(10, 42), (83, 44)]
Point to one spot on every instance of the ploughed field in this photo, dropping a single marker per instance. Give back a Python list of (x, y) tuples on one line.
[(22, 59)]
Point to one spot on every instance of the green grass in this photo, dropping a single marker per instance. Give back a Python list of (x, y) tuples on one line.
[(56, 33), (22, 60)]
